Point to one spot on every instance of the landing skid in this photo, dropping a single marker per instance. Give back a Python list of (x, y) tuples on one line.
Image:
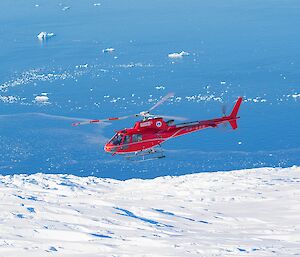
[(146, 155)]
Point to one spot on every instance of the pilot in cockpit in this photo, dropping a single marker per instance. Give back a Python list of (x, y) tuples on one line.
[(117, 139)]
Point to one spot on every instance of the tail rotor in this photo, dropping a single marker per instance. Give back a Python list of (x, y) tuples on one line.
[(224, 110), (232, 117)]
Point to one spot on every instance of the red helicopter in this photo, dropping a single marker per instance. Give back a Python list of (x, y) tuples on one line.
[(147, 135)]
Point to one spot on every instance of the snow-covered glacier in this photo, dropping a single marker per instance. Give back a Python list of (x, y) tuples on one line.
[(253, 212)]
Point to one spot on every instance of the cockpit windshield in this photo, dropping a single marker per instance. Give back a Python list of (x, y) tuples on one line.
[(117, 139)]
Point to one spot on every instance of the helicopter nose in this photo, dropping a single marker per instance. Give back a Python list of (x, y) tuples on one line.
[(107, 148)]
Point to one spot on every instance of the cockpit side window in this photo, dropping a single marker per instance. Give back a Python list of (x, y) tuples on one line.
[(126, 142), (136, 137), (117, 139)]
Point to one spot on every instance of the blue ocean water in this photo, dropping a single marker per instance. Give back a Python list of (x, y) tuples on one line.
[(247, 48)]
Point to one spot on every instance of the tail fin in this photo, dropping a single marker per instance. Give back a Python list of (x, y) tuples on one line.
[(236, 108), (233, 116)]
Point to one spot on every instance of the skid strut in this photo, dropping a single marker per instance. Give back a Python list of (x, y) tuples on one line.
[(146, 155)]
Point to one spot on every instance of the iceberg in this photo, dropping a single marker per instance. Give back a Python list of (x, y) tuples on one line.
[(43, 98), (178, 55), (44, 36)]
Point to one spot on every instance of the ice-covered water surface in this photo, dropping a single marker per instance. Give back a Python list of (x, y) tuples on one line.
[(245, 212), (112, 58)]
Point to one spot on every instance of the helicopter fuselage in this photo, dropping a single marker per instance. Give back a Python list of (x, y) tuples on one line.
[(153, 132)]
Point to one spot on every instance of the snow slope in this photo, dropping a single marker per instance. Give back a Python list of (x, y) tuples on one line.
[(240, 213)]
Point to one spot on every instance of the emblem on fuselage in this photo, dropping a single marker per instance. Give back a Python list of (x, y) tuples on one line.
[(158, 124)]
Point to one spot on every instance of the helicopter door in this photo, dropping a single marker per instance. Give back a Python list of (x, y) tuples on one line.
[(125, 143)]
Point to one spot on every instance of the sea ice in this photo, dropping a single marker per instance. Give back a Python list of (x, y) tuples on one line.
[(34, 75), (9, 99)]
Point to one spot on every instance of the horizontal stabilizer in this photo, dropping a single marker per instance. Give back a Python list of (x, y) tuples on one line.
[(233, 124)]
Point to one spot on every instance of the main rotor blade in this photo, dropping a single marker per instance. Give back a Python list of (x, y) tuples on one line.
[(103, 120), (171, 117), (141, 114), (165, 98)]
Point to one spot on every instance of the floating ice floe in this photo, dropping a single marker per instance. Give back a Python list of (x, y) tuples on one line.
[(108, 50), (296, 95), (160, 88), (81, 66), (43, 98), (44, 36), (66, 8), (97, 4), (178, 55)]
